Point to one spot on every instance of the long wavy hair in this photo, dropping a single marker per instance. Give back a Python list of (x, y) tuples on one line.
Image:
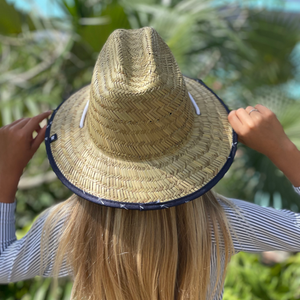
[(118, 254)]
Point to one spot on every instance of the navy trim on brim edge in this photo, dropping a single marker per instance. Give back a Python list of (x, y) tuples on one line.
[(141, 206)]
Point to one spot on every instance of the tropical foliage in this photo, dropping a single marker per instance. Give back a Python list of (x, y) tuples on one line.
[(248, 279), (247, 56)]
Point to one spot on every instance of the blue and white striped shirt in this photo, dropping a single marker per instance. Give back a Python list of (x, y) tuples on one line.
[(257, 229)]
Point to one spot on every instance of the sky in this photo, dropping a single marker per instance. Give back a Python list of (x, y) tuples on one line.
[(46, 8), (49, 8)]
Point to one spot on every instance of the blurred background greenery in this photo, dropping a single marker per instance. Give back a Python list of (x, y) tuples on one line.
[(247, 52)]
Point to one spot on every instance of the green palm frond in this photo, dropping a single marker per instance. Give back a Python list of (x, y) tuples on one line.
[(266, 34)]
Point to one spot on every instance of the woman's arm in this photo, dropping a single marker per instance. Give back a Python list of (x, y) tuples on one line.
[(21, 259), (261, 131), (258, 229)]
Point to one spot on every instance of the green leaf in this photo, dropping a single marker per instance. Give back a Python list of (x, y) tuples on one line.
[(10, 19), (95, 36), (32, 106)]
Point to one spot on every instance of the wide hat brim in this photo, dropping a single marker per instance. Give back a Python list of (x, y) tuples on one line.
[(163, 182)]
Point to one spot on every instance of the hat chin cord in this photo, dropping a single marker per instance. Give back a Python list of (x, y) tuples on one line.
[(195, 104), (87, 106), (84, 114)]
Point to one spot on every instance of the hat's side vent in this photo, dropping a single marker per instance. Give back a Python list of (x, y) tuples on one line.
[(195, 104), (84, 114)]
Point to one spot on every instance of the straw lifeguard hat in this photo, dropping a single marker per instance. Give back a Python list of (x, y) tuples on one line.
[(141, 135)]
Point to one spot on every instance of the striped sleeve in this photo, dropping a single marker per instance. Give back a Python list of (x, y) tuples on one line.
[(297, 190), (7, 225), (257, 229), (21, 259)]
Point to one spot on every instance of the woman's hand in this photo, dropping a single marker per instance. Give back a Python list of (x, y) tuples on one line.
[(259, 129), (17, 148)]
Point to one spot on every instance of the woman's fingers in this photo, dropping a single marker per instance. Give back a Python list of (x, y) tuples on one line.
[(244, 117), (263, 110), (251, 109), (38, 128), (33, 124), (18, 146), (15, 123), (27, 127), (19, 123), (235, 121), (39, 138), (254, 113), (259, 129), (248, 119)]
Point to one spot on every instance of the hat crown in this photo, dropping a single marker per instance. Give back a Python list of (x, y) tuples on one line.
[(139, 106)]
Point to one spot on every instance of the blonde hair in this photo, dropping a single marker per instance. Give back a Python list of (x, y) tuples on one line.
[(118, 254)]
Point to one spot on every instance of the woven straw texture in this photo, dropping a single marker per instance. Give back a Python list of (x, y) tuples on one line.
[(142, 140)]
